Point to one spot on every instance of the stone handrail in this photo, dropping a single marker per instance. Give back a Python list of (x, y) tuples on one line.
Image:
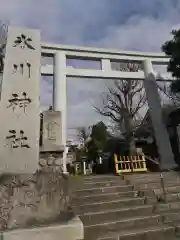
[(162, 175)]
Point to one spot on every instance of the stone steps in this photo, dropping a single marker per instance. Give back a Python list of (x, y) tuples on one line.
[(105, 197), (152, 175), (107, 205), (135, 222), (172, 217), (149, 183), (114, 208), (123, 224), (154, 179), (110, 183), (162, 232), (166, 207), (102, 178), (178, 231), (138, 222), (115, 214), (169, 186), (172, 189), (170, 197), (100, 190)]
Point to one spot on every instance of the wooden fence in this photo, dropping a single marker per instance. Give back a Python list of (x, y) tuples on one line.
[(128, 164)]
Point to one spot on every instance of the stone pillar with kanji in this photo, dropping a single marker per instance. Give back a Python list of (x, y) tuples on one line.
[(20, 102)]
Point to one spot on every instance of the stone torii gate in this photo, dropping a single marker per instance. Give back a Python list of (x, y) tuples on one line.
[(61, 71)]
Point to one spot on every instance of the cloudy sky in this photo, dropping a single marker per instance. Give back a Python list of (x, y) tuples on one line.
[(127, 25)]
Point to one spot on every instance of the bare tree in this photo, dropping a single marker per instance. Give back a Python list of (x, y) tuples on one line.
[(165, 91), (122, 104), (83, 134)]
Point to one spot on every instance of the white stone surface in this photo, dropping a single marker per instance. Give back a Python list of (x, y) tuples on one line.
[(59, 96), (72, 230), (99, 53), (21, 76), (155, 109), (52, 136)]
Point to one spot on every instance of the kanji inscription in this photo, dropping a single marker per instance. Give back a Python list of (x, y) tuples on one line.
[(51, 131), (18, 101), (22, 68), (23, 41), (17, 140)]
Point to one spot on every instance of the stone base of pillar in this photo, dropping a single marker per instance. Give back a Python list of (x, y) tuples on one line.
[(72, 230)]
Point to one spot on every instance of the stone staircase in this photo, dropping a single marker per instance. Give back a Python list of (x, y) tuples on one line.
[(132, 207)]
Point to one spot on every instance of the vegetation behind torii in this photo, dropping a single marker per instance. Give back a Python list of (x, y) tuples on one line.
[(172, 49)]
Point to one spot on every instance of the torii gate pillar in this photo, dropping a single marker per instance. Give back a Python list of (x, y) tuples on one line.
[(155, 109), (59, 96)]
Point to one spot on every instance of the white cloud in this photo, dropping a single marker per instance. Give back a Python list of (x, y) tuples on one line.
[(141, 34), (69, 21)]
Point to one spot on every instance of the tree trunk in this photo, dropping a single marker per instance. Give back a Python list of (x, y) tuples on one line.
[(132, 145), (130, 139)]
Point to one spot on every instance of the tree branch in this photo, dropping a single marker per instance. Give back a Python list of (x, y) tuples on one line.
[(123, 101)]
